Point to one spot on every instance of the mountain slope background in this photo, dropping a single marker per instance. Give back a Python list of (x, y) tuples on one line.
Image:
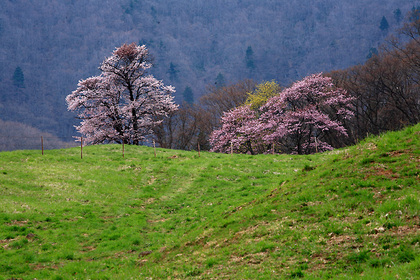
[(48, 46)]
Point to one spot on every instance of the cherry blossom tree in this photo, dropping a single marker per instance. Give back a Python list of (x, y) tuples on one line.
[(123, 104), (240, 131), (307, 117)]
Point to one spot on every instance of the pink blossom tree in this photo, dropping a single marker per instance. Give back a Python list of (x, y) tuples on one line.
[(123, 104), (307, 117), (240, 131)]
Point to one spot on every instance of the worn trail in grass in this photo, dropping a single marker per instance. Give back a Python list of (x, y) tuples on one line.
[(348, 213)]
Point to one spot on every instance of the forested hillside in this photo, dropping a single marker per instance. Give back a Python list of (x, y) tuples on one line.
[(47, 46)]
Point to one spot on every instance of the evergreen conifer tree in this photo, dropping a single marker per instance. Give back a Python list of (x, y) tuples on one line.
[(188, 95), (398, 15), (220, 80), (249, 58), (173, 72), (384, 24), (18, 78)]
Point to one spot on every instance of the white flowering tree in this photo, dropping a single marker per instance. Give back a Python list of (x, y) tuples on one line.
[(123, 104)]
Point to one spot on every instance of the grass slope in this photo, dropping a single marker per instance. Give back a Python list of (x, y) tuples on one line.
[(349, 213)]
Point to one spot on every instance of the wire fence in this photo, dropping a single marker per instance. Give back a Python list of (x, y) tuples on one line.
[(41, 142)]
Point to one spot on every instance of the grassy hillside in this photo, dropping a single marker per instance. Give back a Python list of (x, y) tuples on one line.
[(350, 213)]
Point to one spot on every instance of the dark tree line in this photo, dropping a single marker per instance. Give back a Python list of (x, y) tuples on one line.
[(190, 127), (386, 87)]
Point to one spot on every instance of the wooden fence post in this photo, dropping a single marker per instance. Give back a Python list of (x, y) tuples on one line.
[(123, 148), (154, 147), (42, 145), (81, 147), (198, 146)]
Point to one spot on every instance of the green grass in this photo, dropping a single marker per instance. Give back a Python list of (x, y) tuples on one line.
[(348, 214)]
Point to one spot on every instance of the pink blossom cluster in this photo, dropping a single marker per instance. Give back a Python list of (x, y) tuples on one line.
[(302, 119), (239, 132), (122, 104)]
